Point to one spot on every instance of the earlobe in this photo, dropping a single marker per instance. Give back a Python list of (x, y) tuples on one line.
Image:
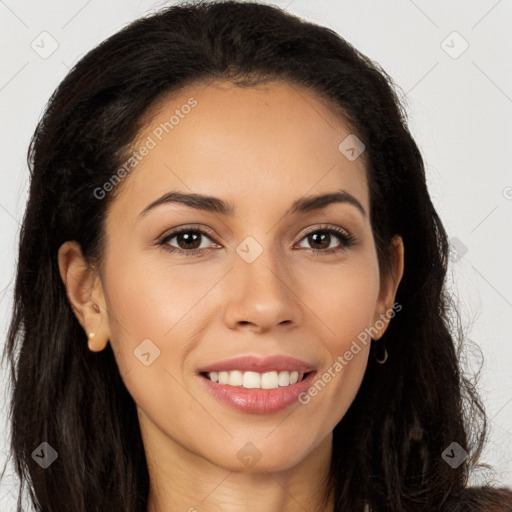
[(96, 345), (84, 291)]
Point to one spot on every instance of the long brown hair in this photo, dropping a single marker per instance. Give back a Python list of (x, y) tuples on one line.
[(387, 449)]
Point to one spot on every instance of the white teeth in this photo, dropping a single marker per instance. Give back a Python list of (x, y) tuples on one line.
[(235, 378), (269, 380), (284, 378), (255, 380), (251, 380)]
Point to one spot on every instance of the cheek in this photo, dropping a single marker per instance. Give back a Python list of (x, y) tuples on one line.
[(345, 306), (344, 300), (155, 308), (151, 335), (144, 297), (141, 306)]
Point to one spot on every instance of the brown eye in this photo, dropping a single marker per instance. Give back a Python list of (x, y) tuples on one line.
[(188, 241), (320, 240)]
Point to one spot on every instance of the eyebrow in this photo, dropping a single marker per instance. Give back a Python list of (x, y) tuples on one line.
[(217, 205)]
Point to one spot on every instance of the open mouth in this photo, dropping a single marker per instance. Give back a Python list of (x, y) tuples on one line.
[(256, 380), (258, 392)]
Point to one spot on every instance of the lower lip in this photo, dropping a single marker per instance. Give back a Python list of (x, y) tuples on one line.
[(259, 401)]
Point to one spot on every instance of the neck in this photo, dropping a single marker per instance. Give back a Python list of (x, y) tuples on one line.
[(184, 481)]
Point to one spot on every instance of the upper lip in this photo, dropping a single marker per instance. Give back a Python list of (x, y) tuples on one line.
[(259, 364)]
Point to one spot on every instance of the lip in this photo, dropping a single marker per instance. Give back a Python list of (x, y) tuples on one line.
[(258, 401), (254, 400), (260, 365)]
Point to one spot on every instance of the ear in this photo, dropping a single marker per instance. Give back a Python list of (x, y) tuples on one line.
[(85, 293), (389, 285)]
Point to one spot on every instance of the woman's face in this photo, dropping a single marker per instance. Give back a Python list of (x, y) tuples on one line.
[(241, 293)]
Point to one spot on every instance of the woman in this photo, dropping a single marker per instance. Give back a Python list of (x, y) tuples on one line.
[(230, 283)]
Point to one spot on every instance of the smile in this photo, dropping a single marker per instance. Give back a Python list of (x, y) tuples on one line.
[(255, 380), (258, 400)]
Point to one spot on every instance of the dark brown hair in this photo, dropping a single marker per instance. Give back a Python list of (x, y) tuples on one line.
[(387, 448)]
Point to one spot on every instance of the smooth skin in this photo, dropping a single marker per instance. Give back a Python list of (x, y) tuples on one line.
[(259, 148)]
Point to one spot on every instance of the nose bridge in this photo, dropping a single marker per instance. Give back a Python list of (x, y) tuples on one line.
[(261, 287)]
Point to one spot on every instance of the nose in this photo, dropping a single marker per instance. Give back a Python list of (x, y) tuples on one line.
[(262, 295)]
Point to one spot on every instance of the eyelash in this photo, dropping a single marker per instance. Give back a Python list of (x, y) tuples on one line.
[(347, 240)]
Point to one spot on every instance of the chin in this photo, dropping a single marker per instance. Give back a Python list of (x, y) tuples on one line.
[(267, 455)]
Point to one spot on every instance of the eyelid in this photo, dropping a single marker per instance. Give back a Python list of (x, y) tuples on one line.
[(187, 227), (326, 227)]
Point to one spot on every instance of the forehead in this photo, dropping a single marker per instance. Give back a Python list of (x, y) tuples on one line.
[(274, 141)]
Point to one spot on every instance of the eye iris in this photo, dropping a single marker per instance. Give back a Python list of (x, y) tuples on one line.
[(190, 238), (324, 236)]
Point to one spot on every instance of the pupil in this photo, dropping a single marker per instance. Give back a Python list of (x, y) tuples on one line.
[(323, 235), (189, 239)]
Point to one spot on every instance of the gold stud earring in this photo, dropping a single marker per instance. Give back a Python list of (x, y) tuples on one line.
[(90, 336)]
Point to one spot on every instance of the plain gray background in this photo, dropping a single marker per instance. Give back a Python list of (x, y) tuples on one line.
[(452, 61)]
